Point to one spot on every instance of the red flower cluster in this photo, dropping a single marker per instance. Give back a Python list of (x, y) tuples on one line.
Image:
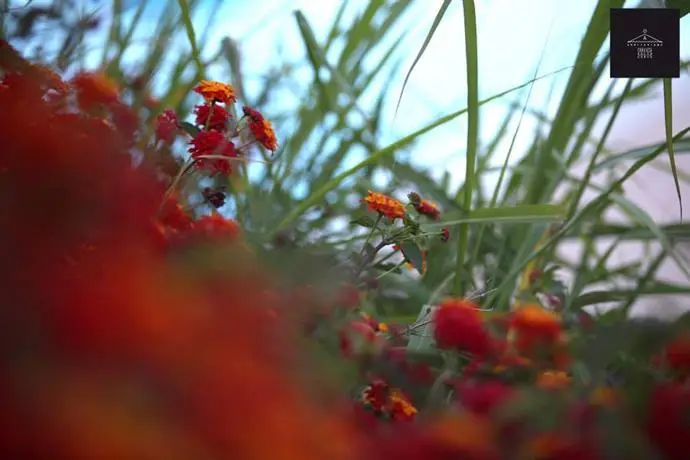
[(458, 325), (388, 402)]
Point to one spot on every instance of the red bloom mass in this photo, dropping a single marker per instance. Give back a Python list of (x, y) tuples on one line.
[(458, 325), (667, 424), (215, 115), (213, 143)]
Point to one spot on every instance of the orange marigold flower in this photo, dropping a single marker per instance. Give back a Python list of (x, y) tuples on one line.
[(385, 205), (213, 91), (535, 327), (458, 325), (400, 407), (94, 89), (166, 126), (216, 116), (207, 143), (261, 129), (429, 209), (553, 380)]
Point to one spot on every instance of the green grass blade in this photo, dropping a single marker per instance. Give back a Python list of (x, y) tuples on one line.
[(592, 162), (527, 213), (472, 137), (668, 119), (681, 146), (427, 40), (191, 36)]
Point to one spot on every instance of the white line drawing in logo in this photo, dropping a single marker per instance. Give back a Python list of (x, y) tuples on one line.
[(645, 43)]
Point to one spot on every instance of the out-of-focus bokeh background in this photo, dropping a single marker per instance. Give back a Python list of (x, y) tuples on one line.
[(329, 74)]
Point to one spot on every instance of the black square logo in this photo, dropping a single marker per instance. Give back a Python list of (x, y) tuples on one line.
[(645, 43)]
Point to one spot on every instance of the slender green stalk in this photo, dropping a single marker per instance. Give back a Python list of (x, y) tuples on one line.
[(472, 138)]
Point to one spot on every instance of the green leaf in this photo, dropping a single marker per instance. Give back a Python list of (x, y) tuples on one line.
[(595, 297), (472, 139), (413, 254), (527, 213), (364, 221), (189, 128), (668, 119), (434, 25)]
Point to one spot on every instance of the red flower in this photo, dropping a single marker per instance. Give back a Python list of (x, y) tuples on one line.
[(94, 89), (668, 421), (376, 395), (174, 216), (429, 209), (458, 325), (445, 234), (388, 401), (215, 227), (482, 398), (261, 128), (677, 353), (216, 116), (213, 143), (166, 126)]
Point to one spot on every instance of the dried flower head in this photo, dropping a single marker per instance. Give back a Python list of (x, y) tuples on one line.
[(213, 91), (414, 198), (214, 197)]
